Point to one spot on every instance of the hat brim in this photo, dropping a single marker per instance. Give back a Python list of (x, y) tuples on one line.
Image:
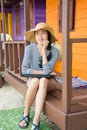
[(30, 35)]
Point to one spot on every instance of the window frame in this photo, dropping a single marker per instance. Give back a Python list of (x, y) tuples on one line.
[(71, 15)]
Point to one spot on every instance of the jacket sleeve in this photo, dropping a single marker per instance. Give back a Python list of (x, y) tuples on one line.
[(26, 60)]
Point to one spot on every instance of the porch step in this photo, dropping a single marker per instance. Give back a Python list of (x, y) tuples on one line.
[(53, 109), (16, 83)]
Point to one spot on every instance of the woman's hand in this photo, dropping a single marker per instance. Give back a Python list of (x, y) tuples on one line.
[(44, 47), (53, 73)]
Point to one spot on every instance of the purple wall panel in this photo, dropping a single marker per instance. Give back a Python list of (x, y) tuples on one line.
[(15, 37), (6, 10), (13, 24), (39, 11)]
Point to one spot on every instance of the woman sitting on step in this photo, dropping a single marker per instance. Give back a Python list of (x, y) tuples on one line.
[(39, 58)]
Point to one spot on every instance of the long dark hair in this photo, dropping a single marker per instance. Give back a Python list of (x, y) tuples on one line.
[(49, 47)]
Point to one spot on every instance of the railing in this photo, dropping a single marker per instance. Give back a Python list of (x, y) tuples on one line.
[(14, 52), (1, 57)]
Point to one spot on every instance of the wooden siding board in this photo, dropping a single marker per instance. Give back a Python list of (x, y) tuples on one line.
[(81, 14), (80, 33), (39, 11), (80, 4), (52, 3), (79, 66), (52, 7), (82, 51), (80, 24), (80, 58)]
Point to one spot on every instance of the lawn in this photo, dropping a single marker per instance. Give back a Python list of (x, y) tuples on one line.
[(9, 120)]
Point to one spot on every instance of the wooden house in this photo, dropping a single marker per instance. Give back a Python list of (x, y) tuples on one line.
[(65, 106)]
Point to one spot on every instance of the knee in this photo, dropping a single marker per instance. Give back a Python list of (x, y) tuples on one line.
[(33, 82), (43, 83)]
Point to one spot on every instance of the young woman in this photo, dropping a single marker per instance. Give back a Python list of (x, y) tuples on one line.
[(39, 58)]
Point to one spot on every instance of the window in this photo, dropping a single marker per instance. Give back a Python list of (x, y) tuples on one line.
[(18, 28), (71, 15)]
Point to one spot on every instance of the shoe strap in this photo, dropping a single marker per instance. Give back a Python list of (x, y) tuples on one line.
[(24, 119), (36, 126)]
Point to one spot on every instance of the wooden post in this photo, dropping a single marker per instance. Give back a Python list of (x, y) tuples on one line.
[(3, 22), (67, 59), (26, 16)]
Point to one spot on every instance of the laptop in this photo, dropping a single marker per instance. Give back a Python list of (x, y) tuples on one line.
[(38, 75)]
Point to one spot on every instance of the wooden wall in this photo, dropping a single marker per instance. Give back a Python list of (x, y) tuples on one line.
[(39, 12), (21, 36), (79, 49)]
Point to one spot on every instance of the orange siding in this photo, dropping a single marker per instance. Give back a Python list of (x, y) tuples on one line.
[(80, 60), (52, 20), (79, 49), (51, 13)]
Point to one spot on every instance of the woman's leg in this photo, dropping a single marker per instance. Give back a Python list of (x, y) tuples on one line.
[(30, 96), (40, 99), (31, 93)]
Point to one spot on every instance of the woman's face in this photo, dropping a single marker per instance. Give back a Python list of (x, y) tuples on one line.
[(41, 36)]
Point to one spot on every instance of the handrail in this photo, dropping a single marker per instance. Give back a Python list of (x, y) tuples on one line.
[(14, 51), (78, 40), (14, 42)]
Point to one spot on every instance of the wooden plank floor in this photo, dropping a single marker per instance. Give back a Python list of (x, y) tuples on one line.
[(53, 103), (75, 107)]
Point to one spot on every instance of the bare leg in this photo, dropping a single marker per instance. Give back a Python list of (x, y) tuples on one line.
[(40, 99), (30, 96)]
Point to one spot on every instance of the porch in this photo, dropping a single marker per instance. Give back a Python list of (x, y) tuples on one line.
[(66, 117), (64, 106)]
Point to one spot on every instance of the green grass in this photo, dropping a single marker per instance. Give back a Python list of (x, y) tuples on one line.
[(9, 120)]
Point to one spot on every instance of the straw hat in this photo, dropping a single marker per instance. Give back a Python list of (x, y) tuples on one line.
[(30, 35)]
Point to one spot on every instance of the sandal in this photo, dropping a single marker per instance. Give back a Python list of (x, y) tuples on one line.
[(26, 121), (36, 127)]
